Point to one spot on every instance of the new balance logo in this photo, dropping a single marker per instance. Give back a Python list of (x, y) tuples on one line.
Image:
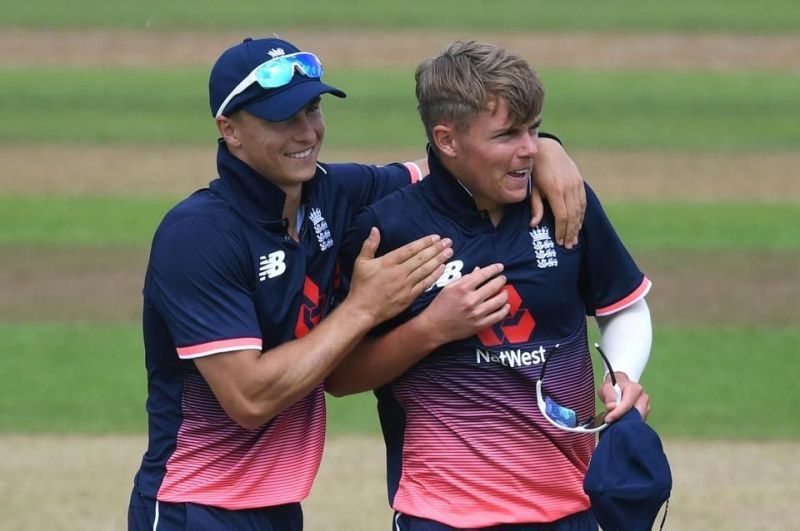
[(272, 265), (452, 271)]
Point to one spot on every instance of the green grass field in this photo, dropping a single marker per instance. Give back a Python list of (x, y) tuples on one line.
[(735, 383), (630, 109), (63, 221), (618, 15), (732, 382), (709, 381), (723, 369)]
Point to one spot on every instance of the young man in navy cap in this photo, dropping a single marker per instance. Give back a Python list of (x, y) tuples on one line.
[(239, 278), (477, 437)]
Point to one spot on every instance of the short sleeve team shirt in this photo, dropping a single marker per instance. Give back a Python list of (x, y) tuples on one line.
[(466, 443), (223, 275)]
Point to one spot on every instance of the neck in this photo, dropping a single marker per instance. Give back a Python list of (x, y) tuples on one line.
[(494, 210), (290, 206)]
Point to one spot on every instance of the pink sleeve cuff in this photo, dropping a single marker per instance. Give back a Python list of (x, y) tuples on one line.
[(215, 347), (637, 294), (414, 170)]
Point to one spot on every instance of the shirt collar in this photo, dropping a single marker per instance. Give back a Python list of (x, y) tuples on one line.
[(447, 192), (250, 193), (450, 196)]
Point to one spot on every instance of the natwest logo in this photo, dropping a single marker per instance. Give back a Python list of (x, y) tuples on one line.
[(516, 328)]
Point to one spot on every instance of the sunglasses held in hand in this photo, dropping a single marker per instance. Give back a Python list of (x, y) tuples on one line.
[(565, 418)]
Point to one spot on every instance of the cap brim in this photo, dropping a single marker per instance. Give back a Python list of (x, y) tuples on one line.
[(283, 105)]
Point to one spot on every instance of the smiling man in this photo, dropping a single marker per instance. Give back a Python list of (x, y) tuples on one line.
[(237, 329), (456, 373)]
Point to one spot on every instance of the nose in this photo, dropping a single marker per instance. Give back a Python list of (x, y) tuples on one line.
[(303, 128), (529, 146)]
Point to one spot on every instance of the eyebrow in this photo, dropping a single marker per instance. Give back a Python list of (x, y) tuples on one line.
[(534, 125)]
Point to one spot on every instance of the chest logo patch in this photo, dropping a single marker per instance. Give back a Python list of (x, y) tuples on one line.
[(271, 265), (517, 327), (311, 308), (452, 272), (321, 229), (544, 248)]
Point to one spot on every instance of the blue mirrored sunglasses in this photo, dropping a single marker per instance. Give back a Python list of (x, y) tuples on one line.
[(277, 72)]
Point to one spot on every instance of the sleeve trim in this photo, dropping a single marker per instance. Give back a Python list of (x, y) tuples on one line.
[(638, 293), (414, 170), (551, 136), (216, 347)]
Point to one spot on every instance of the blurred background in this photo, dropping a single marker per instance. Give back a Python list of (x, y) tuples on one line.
[(683, 116)]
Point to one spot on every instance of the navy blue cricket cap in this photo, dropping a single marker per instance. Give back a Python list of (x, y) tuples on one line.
[(276, 104), (629, 478)]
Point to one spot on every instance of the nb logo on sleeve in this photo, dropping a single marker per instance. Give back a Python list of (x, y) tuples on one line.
[(452, 271), (272, 265)]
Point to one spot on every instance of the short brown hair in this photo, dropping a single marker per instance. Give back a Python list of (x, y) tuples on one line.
[(459, 83)]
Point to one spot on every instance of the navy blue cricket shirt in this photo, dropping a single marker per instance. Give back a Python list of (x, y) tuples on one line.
[(223, 276), (462, 427)]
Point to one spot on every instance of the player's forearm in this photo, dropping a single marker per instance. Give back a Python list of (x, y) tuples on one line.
[(552, 155), (376, 361), (254, 387)]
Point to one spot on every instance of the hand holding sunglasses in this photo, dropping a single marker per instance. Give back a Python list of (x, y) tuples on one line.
[(634, 396)]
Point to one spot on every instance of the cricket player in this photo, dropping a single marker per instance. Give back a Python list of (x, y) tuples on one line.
[(477, 437)]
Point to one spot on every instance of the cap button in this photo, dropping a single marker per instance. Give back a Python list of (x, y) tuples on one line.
[(247, 39)]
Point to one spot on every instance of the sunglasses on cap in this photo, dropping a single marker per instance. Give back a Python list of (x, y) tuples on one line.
[(277, 72), (565, 418)]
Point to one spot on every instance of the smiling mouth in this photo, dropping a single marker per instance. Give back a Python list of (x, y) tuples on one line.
[(519, 174), (301, 154)]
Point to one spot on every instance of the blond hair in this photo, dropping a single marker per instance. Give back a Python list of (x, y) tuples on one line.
[(466, 77)]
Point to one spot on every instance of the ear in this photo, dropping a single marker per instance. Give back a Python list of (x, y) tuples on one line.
[(444, 140), (228, 131)]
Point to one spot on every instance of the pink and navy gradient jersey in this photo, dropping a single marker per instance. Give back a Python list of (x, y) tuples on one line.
[(466, 443), (223, 276)]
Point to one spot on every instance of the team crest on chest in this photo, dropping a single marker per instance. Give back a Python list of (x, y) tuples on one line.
[(321, 229), (544, 248)]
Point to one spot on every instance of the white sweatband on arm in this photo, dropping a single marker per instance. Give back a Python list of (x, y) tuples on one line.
[(626, 337)]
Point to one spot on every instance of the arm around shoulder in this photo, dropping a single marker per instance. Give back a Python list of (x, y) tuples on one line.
[(557, 178)]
